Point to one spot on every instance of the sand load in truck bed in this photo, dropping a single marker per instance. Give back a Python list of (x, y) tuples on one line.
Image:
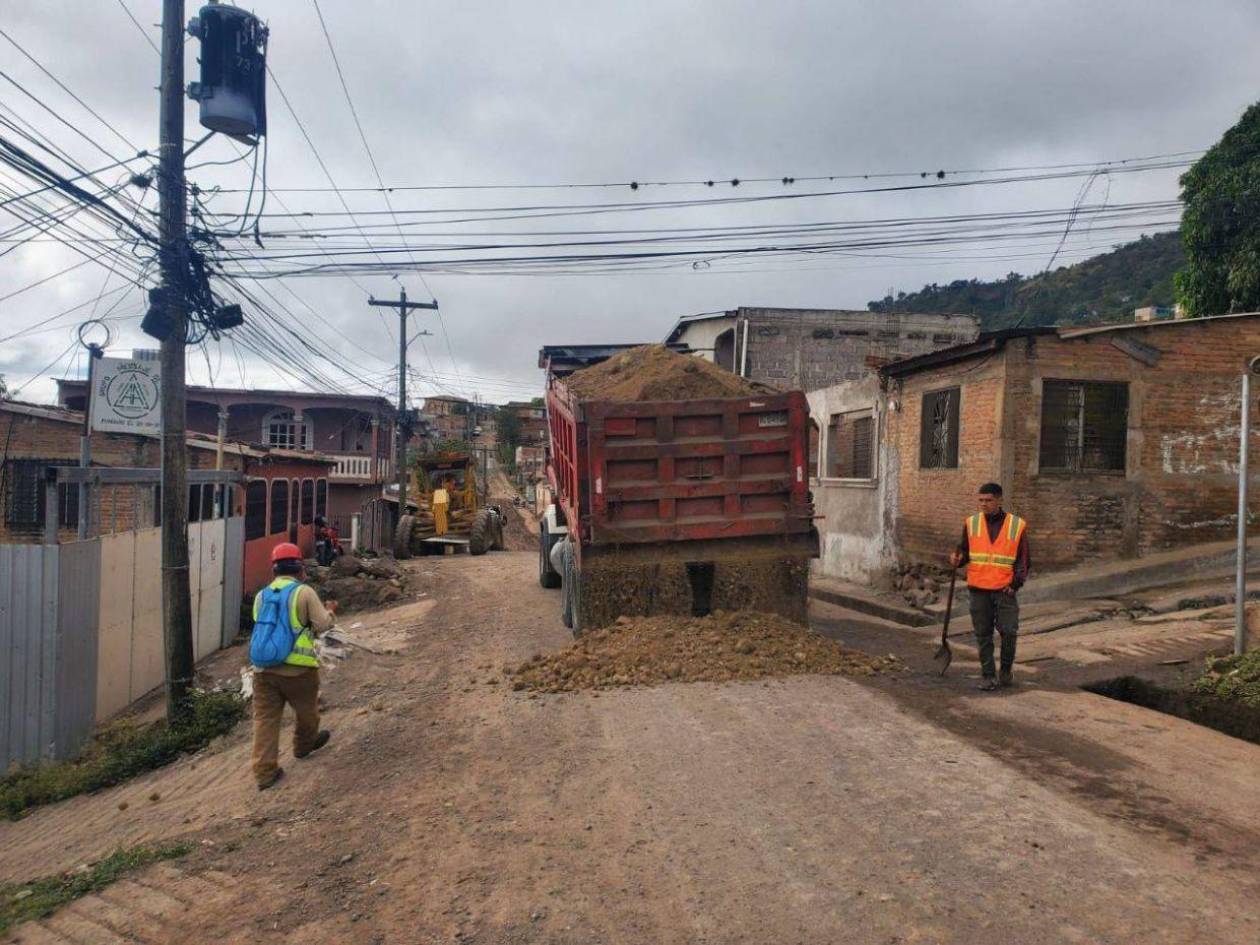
[(726, 645), (653, 372)]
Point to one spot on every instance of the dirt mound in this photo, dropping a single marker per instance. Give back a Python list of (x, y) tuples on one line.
[(360, 583), (644, 651), (653, 372)]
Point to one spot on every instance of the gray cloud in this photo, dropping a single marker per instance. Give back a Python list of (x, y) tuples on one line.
[(569, 91)]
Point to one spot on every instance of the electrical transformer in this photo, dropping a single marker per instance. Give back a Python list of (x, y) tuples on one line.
[(232, 90)]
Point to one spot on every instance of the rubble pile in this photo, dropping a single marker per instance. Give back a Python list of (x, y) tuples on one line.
[(921, 585), (653, 372), (724, 646), (359, 583)]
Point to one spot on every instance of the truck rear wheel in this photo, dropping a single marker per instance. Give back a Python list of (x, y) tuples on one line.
[(402, 537), (548, 576), (572, 612), (481, 535)]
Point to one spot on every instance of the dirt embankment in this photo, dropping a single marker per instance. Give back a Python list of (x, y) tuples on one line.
[(723, 646), (653, 372)]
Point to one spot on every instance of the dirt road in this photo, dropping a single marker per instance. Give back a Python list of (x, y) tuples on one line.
[(449, 808)]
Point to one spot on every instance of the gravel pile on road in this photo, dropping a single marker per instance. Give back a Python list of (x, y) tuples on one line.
[(724, 646), (653, 372)]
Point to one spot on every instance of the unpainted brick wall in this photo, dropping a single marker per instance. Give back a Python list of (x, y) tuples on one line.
[(120, 508), (932, 503), (1180, 483)]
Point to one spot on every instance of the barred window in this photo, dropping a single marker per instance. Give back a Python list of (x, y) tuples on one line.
[(281, 429), (851, 445), (938, 429), (308, 501), (279, 506), (255, 509), (24, 495), (1084, 426), (321, 497)]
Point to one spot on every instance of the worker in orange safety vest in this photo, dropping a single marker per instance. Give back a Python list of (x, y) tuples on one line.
[(994, 548)]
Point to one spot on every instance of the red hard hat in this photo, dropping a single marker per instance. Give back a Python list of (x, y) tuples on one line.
[(285, 551)]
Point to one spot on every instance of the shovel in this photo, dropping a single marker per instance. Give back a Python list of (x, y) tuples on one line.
[(943, 652)]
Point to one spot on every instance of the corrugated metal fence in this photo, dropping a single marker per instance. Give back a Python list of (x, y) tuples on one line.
[(49, 602)]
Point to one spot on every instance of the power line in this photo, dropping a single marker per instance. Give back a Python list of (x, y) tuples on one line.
[(738, 181)]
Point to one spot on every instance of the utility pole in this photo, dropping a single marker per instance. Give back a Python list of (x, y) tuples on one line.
[(404, 424), (176, 599)]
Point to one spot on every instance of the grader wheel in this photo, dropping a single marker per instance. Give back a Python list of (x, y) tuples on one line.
[(481, 537), (402, 537)]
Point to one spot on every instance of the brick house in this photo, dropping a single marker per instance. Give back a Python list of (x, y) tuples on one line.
[(1114, 442), (355, 431), (36, 436), (806, 349)]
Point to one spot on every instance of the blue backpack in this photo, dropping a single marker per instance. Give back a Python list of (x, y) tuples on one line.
[(273, 637)]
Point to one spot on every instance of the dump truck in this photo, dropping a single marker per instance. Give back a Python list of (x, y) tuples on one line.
[(470, 522), (681, 505)]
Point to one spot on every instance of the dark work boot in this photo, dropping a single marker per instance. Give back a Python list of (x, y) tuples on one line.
[(320, 741), (276, 776), (1005, 679), (988, 684)]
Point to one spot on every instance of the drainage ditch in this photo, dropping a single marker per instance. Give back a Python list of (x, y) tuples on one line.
[(1227, 716)]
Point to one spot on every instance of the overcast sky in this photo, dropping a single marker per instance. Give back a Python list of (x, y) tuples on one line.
[(569, 92)]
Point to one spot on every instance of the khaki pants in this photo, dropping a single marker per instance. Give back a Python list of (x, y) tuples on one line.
[(271, 692)]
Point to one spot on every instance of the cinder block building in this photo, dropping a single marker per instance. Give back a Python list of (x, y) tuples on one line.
[(806, 349), (1114, 442)]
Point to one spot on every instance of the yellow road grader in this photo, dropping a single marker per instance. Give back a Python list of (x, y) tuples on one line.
[(451, 509)]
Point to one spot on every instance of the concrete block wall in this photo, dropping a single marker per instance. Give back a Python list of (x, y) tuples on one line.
[(855, 531), (808, 349)]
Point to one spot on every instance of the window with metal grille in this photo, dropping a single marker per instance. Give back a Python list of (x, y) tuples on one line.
[(255, 509), (24, 495), (281, 429), (851, 445), (308, 501), (321, 497), (938, 429), (1084, 426), (279, 506)]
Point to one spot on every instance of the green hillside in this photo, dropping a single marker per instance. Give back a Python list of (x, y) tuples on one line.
[(1104, 288)]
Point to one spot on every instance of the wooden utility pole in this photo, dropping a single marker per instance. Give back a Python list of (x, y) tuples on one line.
[(403, 423), (176, 599)]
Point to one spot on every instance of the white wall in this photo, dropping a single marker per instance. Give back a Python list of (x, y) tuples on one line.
[(855, 533)]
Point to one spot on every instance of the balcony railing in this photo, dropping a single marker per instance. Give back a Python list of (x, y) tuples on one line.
[(361, 467)]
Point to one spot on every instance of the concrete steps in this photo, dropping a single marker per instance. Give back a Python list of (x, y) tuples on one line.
[(863, 600)]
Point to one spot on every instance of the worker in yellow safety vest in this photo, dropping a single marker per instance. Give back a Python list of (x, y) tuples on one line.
[(994, 548), (295, 680)]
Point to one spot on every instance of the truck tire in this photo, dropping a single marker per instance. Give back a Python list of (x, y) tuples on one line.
[(482, 533), (572, 613), (548, 576), (402, 538)]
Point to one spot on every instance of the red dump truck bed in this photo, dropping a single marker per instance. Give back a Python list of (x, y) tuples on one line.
[(665, 471), (681, 506)]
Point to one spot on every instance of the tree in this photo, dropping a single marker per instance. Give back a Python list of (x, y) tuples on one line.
[(509, 427), (1220, 225)]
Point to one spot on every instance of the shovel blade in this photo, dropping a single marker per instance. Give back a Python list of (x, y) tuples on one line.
[(943, 652)]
